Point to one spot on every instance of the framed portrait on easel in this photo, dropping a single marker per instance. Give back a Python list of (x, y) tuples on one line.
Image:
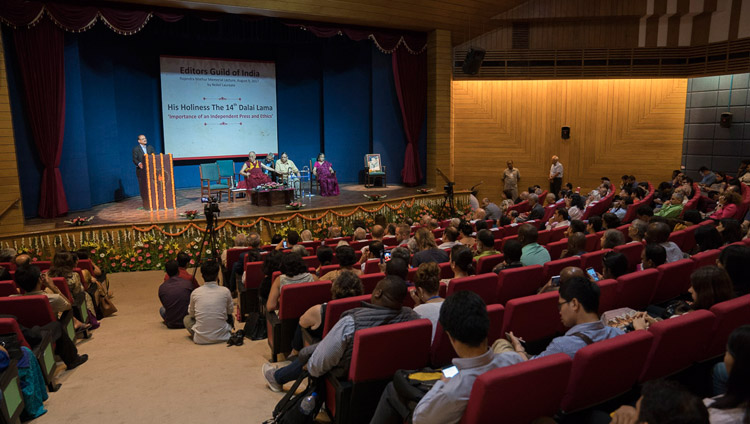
[(372, 162)]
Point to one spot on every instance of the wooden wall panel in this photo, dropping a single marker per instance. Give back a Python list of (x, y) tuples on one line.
[(629, 126), (439, 134), (10, 191)]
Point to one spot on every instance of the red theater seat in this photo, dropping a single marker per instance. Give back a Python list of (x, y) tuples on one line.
[(608, 295), (593, 241), (632, 251), (518, 282), (678, 343), (557, 234), (369, 281), (674, 280), (442, 352), (637, 288), (295, 300), (486, 263), (554, 267), (335, 308), (555, 248), (605, 369), (372, 266), (533, 317), (546, 378), (483, 284), (705, 258), (7, 288), (729, 315), (594, 260)]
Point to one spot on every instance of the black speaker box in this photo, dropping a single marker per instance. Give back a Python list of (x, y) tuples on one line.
[(473, 61), (726, 120), (565, 133)]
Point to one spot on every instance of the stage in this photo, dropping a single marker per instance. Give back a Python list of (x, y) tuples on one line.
[(127, 212)]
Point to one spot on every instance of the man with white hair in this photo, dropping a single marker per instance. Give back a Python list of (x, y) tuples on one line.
[(536, 212), (493, 211), (555, 176)]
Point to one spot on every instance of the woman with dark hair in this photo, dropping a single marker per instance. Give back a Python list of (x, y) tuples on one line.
[(709, 285), (325, 256), (329, 185), (462, 262), (466, 239), (727, 206), (692, 217), (271, 264), (707, 237), (594, 225), (426, 295), (575, 204), (293, 271), (730, 230), (734, 405), (614, 264), (610, 221), (734, 260), (347, 259)]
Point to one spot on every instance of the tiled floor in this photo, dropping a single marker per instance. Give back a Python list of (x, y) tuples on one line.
[(127, 210)]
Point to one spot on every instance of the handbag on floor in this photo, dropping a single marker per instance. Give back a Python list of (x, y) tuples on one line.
[(255, 326), (288, 410), (104, 300)]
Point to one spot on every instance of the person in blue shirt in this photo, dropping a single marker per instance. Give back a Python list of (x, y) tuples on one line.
[(578, 304)]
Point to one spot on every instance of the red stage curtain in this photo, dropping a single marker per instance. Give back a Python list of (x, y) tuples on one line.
[(385, 40), (40, 56), (410, 78)]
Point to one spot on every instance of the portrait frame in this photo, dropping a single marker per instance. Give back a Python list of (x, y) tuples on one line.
[(372, 162)]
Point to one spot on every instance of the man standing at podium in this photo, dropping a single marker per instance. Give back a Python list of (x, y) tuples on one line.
[(140, 169)]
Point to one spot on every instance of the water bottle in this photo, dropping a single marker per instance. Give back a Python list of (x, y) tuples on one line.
[(308, 404)]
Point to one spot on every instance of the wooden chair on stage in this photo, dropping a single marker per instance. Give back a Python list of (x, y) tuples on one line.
[(211, 181), (313, 178), (374, 170)]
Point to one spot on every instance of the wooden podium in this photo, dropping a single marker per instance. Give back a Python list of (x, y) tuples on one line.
[(159, 182)]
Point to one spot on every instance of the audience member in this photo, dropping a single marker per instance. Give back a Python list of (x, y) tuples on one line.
[(658, 232), (466, 235), (426, 293), (533, 253), (209, 318), (183, 260), (734, 260), (359, 234), (324, 254), (403, 233), (377, 232), (174, 295), (692, 217), (512, 251), (271, 264), (730, 230), (612, 238), (347, 259), (575, 204), (450, 238), (427, 249), (549, 199), (346, 284), (293, 271), (537, 210), (493, 211), (462, 262), (306, 235), (652, 256), (508, 200), (707, 237), (727, 206), (734, 405), (673, 209), (644, 213), (578, 304), (637, 231), (619, 206), (397, 267), (464, 318), (610, 221), (62, 266), (558, 219), (594, 225), (663, 402), (32, 282), (576, 246), (614, 265), (576, 226), (485, 244), (374, 250)]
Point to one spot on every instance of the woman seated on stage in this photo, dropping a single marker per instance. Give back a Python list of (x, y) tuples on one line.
[(329, 185), (252, 170)]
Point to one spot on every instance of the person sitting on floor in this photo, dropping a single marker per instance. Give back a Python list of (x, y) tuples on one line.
[(174, 295), (427, 249), (533, 253), (464, 318), (485, 244), (512, 251), (183, 260), (579, 305), (209, 319)]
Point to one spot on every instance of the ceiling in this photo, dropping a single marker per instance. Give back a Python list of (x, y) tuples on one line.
[(464, 18)]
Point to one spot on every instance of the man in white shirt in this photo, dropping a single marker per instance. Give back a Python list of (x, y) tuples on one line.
[(555, 176), (285, 167), (209, 319)]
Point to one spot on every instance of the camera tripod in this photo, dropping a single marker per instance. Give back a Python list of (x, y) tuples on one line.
[(211, 210)]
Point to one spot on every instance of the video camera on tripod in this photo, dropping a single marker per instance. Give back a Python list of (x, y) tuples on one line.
[(210, 210)]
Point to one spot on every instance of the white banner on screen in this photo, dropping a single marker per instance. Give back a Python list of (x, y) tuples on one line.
[(213, 107)]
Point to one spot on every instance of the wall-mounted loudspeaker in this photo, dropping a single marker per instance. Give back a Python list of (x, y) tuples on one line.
[(726, 120), (565, 133), (473, 61)]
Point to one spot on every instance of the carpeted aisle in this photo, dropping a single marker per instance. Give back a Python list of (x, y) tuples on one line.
[(140, 372)]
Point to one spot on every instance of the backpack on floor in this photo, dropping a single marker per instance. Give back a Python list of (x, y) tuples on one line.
[(287, 411)]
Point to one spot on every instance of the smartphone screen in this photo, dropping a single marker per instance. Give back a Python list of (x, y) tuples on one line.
[(284, 244), (387, 256), (556, 281), (450, 372), (592, 273)]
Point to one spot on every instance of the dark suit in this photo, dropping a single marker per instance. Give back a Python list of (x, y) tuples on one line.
[(537, 212), (141, 173)]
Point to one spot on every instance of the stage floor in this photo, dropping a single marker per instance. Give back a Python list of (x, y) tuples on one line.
[(127, 212)]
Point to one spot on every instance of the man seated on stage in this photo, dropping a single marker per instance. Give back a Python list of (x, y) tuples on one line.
[(579, 305), (33, 283), (174, 295), (464, 318), (183, 260), (270, 163), (285, 167), (209, 319)]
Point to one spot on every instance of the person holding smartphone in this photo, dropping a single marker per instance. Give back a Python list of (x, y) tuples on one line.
[(464, 318)]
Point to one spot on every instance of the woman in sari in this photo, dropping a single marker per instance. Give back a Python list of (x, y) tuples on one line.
[(252, 170), (323, 170)]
